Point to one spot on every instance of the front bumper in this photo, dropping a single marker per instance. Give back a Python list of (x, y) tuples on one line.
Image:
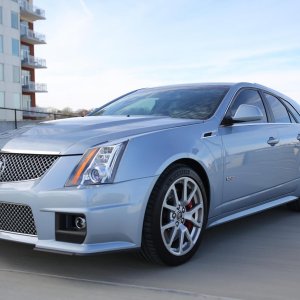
[(114, 214)]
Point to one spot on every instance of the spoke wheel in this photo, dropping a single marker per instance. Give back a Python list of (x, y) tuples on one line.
[(175, 217), (181, 216)]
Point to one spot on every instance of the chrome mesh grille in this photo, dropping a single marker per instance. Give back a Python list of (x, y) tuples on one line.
[(18, 167), (17, 218)]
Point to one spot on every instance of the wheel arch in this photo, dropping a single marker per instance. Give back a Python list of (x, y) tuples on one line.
[(199, 169)]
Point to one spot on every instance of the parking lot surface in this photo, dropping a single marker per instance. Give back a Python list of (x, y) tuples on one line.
[(257, 257)]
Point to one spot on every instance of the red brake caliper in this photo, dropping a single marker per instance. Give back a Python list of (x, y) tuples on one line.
[(188, 223)]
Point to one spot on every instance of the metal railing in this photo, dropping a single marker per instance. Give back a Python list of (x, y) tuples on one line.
[(32, 61), (26, 6), (32, 87), (31, 35), (12, 118)]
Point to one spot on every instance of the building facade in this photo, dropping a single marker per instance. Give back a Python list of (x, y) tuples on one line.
[(17, 60)]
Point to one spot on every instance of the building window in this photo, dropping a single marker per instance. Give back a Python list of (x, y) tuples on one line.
[(16, 74), (14, 20), (25, 52), (1, 15), (26, 102), (16, 101), (25, 77), (2, 99), (1, 72), (15, 45), (1, 43), (24, 28)]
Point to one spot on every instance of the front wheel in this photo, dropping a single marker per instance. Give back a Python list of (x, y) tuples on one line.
[(175, 218)]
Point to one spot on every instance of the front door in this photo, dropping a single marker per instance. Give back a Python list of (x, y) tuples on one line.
[(251, 157)]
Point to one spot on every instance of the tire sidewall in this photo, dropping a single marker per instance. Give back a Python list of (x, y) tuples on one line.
[(158, 196)]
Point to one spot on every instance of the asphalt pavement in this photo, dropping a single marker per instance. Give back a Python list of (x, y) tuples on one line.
[(257, 257)]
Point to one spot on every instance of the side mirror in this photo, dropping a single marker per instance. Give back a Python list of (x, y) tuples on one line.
[(244, 113), (247, 113)]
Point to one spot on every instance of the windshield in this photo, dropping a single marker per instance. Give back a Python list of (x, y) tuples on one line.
[(180, 102)]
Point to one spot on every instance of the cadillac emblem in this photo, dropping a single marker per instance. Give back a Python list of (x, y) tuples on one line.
[(2, 165)]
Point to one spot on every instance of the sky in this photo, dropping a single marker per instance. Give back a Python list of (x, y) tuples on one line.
[(98, 50)]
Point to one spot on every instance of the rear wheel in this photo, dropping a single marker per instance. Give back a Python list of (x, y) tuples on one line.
[(175, 217)]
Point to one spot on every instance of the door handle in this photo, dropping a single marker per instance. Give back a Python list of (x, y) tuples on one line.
[(272, 141)]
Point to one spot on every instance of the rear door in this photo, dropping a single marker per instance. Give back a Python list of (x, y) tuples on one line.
[(288, 148)]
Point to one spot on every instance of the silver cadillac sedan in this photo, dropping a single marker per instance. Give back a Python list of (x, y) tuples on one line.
[(150, 170)]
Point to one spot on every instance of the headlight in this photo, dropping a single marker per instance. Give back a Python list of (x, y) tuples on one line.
[(97, 165)]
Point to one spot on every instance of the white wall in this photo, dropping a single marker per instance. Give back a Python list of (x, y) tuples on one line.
[(6, 58)]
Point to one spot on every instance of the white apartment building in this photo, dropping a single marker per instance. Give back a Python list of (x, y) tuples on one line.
[(17, 61)]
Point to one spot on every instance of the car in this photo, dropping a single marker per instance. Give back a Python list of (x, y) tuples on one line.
[(150, 170)]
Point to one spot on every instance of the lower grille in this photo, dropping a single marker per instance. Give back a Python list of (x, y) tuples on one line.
[(17, 218)]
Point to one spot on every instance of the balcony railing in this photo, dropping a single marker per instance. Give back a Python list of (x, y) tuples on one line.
[(30, 61), (32, 37), (31, 12), (32, 87)]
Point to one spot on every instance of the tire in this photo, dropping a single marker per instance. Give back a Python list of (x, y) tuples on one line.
[(173, 227), (295, 205)]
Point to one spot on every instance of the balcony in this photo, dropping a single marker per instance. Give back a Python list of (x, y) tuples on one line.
[(32, 87), (30, 61), (31, 13), (31, 37)]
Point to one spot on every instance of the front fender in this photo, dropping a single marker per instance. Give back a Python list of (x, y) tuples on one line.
[(150, 154)]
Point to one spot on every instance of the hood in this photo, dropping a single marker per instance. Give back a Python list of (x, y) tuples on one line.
[(75, 135)]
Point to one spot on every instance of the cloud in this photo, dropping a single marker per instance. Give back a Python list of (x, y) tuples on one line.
[(98, 50), (85, 8)]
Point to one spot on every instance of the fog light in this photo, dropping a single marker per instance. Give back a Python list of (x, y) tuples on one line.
[(70, 228), (80, 223)]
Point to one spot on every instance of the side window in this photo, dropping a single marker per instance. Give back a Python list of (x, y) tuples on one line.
[(250, 97), (279, 111), (292, 118), (293, 111)]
